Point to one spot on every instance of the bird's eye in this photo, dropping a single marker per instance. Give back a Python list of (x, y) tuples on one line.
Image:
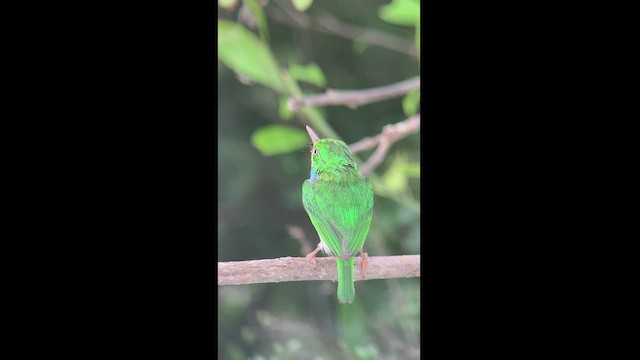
[(315, 151)]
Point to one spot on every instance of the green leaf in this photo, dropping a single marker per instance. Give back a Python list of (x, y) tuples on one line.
[(259, 17), (395, 181), (227, 4), (302, 5), (311, 74), (278, 139), (240, 50), (285, 114), (411, 102), (412, 170), (401, 12)]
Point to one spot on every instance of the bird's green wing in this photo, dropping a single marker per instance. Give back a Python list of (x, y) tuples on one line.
[(314, 204), (359, 233), (341, 213)]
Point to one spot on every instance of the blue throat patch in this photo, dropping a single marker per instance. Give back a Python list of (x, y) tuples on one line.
[(313, 175)]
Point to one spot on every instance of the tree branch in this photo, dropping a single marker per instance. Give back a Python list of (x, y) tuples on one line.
[(390, 134), (355, 98), (300, 269), (331, 25)]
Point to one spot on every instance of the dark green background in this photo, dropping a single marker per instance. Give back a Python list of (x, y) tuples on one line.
[(259, 197)]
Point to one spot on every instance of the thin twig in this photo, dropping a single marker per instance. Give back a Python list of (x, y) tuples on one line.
[(331, 25), (390, 134), (297, 233), (355, 98), (300, 269)]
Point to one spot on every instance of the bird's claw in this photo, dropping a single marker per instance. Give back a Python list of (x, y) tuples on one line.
[(312, 256), (365, 261)]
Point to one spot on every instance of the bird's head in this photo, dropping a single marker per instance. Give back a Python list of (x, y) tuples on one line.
[(330, 158)]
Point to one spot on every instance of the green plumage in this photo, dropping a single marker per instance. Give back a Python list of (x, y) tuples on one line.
[(339, 202)]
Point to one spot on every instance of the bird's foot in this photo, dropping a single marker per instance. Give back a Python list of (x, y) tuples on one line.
[(312, 256), (365, 261)]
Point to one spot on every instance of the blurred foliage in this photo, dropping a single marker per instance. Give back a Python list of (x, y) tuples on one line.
[(263, 161), (302, 5), (239, 49), (411, 102), (401, 12), (311, 74), (278, 139)]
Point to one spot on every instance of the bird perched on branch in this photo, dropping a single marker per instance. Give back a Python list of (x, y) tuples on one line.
[(339, 202)]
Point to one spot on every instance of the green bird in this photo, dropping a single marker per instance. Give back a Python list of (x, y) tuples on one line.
[(339, 202)]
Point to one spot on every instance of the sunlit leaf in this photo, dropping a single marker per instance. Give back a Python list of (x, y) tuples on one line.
[(412, 170), (401, 12), (311, 74), (258, 16), (394, 180), (411, 102), (302, 5), (241, 51), (283, 109), (278, 139), (227, 4)]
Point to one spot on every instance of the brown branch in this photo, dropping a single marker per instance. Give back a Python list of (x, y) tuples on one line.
[(300, 269), (331, 25), (355, 98), (390, 134)]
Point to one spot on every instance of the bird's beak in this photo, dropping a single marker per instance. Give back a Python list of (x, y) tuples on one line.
[(312, 135)]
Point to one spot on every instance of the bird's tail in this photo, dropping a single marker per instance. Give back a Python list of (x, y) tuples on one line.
[(346, 287)]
